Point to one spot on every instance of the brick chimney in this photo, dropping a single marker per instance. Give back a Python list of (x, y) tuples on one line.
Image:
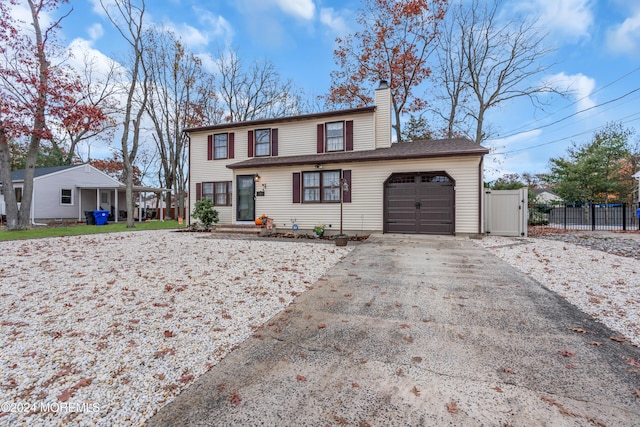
[(382, 101)]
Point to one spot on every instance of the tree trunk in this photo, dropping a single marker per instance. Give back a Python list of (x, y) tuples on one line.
[(11, 206)]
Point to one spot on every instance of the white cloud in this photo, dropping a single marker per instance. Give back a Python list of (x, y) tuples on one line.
[(95, 31), (569, 19), (217, 25), (578, 86), (625, 37), (333, 21), (82, 52), (191, 36), (304, 9)]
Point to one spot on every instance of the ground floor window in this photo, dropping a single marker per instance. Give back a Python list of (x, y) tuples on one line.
[(218, 192), (66, 196), (320, 187)]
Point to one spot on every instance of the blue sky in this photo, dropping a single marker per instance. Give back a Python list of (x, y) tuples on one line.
[(597, 59)]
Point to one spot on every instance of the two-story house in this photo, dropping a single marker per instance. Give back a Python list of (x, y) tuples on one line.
[(292, 168)]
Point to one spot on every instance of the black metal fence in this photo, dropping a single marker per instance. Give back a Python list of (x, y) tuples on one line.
[(590, 216)]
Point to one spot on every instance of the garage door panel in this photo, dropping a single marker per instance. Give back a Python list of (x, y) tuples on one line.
[(419, 204)]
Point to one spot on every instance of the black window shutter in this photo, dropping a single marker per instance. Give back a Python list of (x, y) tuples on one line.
[(274, 142), (250, 143), (349, 135), (231, 142), (296, 187), (320, 135)]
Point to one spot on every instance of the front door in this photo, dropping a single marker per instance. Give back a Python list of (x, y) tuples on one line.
[(246, 201), (105, 200)]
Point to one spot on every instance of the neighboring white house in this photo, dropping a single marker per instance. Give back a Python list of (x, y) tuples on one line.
[(544, 195), (291, 168), (64, 193), (636, 176)]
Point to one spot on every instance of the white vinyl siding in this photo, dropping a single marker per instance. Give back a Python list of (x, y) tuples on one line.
[(365, 212)]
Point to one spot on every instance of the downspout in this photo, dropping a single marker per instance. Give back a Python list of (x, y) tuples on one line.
[(480, 195), (187, 210)]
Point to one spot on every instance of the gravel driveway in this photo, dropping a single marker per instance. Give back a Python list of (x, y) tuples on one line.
[(106, 329)]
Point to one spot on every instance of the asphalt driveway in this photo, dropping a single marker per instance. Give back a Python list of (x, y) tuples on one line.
[(420, 330)]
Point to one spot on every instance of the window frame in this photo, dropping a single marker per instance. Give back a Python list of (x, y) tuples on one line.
[(321, 188), (70, 196), (18, 192), (215, 146), (256, 143), (227, 193), (342, 137), (213, 194)]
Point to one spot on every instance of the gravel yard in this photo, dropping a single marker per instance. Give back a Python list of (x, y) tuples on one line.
[(106, 329), (584, 269)]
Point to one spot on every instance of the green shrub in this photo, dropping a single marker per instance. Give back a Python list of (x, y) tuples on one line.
[(205, 213)]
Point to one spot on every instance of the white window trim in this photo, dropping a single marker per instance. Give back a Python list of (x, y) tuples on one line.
[(72, 197)]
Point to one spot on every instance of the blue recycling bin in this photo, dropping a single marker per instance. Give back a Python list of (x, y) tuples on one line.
[(101, 217), (638, 212)]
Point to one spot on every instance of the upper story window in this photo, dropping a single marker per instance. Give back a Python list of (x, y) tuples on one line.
[(66, 196), (263, 142), (335, 136), (220, 146)]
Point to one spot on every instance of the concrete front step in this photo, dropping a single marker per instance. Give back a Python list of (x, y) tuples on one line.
[(237, 229)]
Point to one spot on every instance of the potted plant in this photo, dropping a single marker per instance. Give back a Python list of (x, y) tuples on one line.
[(318, 230)]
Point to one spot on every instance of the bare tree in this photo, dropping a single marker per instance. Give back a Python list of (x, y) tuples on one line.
[(254, 93), (181, 93), (94, 113), (128, 19), (488, 61)]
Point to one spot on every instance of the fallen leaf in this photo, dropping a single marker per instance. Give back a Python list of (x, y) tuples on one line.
[(566, 353), (65, 395), (301, 378), (185, 378), (415, 391), (168, 334), (321, 326), (508, 371), (619, 339), (417, 359), (637, 393), (356, 385), (498, 389), (578, 330), (234, 398), (85, 382), (597, 343), (404, 326), (400, 372), (570, 366), (452, 407)]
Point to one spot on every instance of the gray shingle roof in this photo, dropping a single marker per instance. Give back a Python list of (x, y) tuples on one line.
[(404, 150), (18, 175)]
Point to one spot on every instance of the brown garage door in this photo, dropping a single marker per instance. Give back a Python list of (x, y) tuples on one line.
[(419, 203)]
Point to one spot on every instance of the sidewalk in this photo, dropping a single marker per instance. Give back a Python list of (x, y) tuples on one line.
[(420, 330)]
